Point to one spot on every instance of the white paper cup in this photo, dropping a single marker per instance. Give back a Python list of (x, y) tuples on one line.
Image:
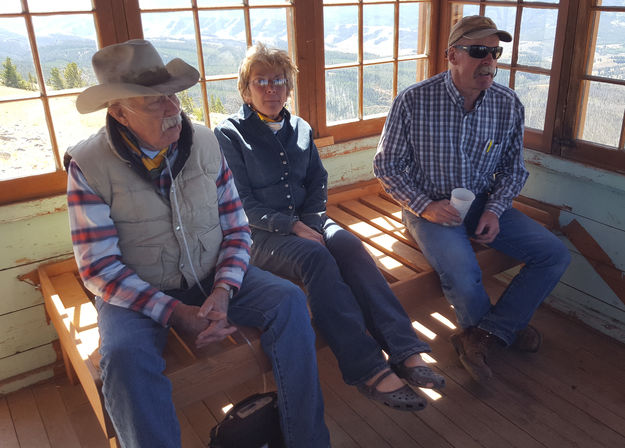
[(461, 199)]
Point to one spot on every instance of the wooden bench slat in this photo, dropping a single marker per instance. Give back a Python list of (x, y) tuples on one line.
[(366, 211), (399, 250)]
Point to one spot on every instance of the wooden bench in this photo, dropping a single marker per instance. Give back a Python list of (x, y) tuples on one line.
[(363, 209)]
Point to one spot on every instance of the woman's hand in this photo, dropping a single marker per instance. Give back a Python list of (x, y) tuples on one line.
[(303, 231)]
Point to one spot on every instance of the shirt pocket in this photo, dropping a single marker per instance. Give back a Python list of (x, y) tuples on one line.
[(488, 157)]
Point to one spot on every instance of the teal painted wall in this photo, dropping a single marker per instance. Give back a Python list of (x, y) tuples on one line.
[(35, 232)]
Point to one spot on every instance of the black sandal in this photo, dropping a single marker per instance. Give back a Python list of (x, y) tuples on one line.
[(403, 399), (419, 376)]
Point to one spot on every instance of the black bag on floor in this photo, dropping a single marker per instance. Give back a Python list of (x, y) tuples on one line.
[(251, 423)]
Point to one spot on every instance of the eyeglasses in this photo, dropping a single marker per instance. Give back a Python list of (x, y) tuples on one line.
[(155, 104), (481, 51), (261, 82)]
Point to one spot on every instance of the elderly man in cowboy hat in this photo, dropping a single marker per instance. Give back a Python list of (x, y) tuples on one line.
[(161, 239), (460, 129)]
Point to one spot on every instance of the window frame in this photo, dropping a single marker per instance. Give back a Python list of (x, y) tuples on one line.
[(579, 48), (112, 25), (120, 20)]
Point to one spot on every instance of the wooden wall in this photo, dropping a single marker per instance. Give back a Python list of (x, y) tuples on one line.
[(35, 232)]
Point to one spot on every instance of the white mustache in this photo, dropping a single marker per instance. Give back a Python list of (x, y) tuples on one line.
[(485, 70), (170, 122)]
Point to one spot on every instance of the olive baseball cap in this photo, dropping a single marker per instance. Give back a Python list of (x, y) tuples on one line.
[(476, 27)]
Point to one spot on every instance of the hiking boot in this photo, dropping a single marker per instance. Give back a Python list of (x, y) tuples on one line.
[(527, 340), (472, 346)]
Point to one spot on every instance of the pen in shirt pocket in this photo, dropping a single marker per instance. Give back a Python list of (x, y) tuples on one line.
[(488, 145)]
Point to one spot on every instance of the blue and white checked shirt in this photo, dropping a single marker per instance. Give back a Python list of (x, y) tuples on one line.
[(431, 145)]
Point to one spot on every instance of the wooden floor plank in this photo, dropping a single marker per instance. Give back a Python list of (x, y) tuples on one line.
[(188, 437), (26, 419), (8, 437), (54, 416), (566, 395), (348, 406), (200, 419)]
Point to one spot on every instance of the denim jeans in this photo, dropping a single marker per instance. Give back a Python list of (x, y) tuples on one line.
[(351, 302), (449, 251), (138, 396)]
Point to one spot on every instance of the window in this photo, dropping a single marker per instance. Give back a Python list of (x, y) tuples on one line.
[(372, 50), (566, 62), (213, 36), (527, 64), (592, 129)]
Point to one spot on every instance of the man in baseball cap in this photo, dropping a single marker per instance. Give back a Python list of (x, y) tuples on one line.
[(461, 129)]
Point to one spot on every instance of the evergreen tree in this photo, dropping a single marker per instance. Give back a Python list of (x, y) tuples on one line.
[(73, 76), (9, 75), (217, 106), (55, 79)]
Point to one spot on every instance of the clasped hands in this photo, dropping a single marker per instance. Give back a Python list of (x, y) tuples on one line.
[(206, 324), (442, 212)]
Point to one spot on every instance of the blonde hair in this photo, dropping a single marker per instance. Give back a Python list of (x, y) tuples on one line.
[(260, 54)]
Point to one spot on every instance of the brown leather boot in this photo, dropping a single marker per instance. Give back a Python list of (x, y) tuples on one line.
[(473, 346), (527, 340)]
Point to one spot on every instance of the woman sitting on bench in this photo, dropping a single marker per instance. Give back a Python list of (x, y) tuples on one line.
[(283, 186)]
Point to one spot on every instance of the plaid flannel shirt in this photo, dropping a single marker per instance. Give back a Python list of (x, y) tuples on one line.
[(431, 145)]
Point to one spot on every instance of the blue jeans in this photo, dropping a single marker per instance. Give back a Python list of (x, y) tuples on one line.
[(138, 396), (351, 302), (449, 251)]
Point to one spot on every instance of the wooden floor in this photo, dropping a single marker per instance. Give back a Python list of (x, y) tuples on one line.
[(570, 394)]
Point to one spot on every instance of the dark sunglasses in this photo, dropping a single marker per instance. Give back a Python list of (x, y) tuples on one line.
[(481, 51)]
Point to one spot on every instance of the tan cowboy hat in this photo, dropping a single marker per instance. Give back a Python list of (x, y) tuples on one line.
[(130, 69)]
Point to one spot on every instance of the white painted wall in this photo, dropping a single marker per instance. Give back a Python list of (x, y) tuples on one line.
[(35, 232)]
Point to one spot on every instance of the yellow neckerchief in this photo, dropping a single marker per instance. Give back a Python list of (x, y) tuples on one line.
[(274, 125), (150, 164)]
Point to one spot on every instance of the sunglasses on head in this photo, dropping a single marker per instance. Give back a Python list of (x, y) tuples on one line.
[(481, 51)]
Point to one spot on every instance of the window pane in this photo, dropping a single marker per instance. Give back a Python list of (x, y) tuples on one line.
[(267, 2), (533, 90), (17, 72), (406, 74), (459, 11), (269, 27), (71, 126), (538, 31), (208, 3), (340, 34), (223, 99), (411, 72), (331, 2), (378, 89), (505, 18), (59, 5), (223, 41), (7, 6), (613, 3), (341, 94), (378, 23), (172, 34), (609, 59), (66, 45), (604, 113), (157, 4), (191, 103), (503, 77), (409, 29), (26, 148)]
